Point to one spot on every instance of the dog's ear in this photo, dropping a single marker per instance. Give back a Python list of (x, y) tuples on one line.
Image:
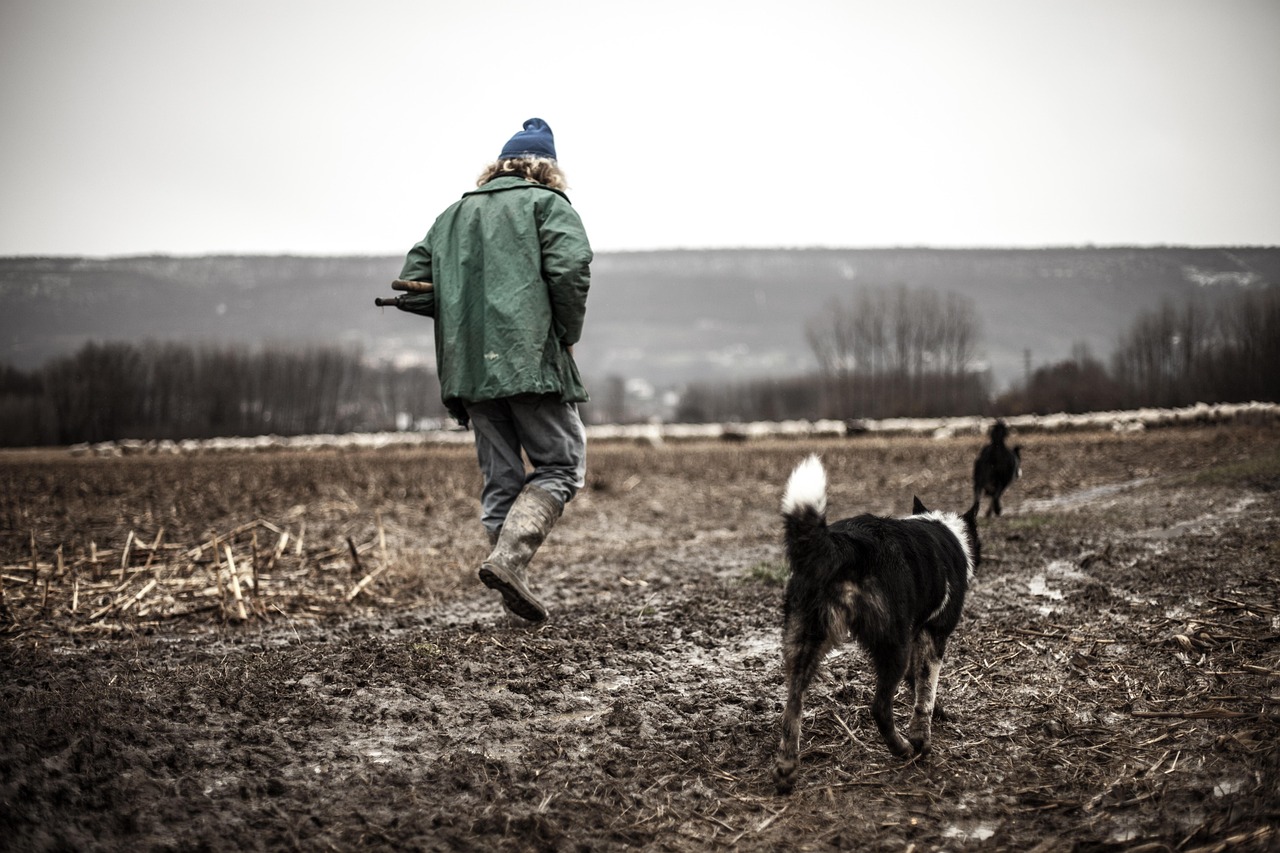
[(917, 508), (971, 516)]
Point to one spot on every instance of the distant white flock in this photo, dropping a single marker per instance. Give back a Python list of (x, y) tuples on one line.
[(657, 434)]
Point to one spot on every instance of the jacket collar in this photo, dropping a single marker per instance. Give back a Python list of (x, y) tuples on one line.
[(512, 183)]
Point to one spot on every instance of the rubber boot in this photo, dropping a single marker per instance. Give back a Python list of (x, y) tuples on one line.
[(531, 518)]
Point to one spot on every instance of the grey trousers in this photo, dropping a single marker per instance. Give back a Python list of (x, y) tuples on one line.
[(548, 430)]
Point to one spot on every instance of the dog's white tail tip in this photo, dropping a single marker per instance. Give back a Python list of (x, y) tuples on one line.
[(807, 488)]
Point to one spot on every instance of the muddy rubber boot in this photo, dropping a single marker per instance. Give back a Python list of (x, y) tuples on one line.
[(531, 518)]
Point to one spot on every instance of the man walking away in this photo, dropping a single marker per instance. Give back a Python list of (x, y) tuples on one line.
[(510, 264)]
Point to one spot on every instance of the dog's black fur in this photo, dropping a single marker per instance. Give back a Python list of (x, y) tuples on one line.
[(895, 585), (996, 467)]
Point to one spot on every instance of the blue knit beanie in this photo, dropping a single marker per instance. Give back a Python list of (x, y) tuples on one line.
[(535, 140)]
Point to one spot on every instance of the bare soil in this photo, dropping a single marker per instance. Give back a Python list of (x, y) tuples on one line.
[(1114, 684)]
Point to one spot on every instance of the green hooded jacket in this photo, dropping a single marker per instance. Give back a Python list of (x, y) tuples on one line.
[(511, 264)]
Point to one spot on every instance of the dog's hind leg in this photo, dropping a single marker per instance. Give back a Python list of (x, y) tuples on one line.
[(891, 662), (800, 662), (926, 663), (939, 713)]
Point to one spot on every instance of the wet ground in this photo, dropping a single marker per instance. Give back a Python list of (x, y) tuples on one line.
[(1114, 684)]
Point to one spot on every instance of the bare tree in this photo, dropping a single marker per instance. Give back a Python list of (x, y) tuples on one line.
[(898, 351), (1182, 354)]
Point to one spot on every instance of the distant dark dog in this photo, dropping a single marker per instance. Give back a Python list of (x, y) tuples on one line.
[(996, 467), (895, 585)]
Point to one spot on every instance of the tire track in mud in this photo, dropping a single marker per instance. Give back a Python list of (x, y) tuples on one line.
[(1087, 596), (1155, 540)]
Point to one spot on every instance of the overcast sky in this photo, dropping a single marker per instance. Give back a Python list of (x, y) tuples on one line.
[(313, 127)]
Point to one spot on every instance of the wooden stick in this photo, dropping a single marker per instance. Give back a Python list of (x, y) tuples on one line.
[(241, 615), (241, 528), (124, 555), (1260, 670), (217, 576), (255, 561), (1240, 605), (153, 548), (412, 286), (356, 568), (138, 596), (1262, 833), (121, 602), (279, 550), (1201, 714), (101, 611), (365, 581)]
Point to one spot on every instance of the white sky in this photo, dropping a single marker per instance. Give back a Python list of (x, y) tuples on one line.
[(314, 127)]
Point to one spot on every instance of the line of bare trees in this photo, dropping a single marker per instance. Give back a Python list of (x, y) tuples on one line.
[(883, 352), (172, 390), (893, 352), (899, 352), (1223, 351), (1227, 351)]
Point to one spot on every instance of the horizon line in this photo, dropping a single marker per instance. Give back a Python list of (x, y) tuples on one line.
[(905, 247)]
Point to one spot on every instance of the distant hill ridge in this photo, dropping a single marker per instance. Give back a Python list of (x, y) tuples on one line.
[(664, 316)]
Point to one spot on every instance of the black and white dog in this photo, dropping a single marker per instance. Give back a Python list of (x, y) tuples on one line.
[(895, 585), (996, 467)]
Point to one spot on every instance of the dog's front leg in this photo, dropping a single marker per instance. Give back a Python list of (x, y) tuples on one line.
[(926, 663), (800, 661), (891, 664)]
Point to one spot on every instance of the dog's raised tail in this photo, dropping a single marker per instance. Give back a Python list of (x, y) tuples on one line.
[(804, 503)]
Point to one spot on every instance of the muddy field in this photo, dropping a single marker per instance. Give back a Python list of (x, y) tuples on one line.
[(290, 651)]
